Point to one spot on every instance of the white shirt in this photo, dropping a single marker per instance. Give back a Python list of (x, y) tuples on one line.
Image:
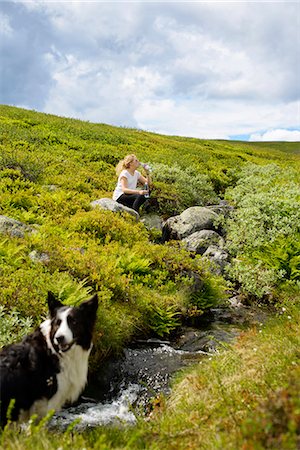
[(132, 182)]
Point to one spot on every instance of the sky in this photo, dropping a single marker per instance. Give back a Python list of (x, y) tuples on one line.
[(210, 70)]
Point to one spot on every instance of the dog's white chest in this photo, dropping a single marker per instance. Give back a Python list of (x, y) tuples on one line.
[(72, 377), (71, 381)]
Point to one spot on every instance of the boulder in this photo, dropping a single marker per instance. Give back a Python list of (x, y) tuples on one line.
[(188, 222), (111, 205), (39, 257), (152, 221), (222, 208), (199, 241), (217, 256), (13, 227)]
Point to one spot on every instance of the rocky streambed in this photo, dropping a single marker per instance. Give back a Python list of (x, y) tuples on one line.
[(125, 387)]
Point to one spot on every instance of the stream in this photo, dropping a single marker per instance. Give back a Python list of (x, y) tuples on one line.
[(125, 387)]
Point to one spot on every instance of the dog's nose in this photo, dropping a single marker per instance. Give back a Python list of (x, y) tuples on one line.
[(60, 339)]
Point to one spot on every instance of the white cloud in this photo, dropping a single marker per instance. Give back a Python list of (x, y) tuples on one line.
[(170, 67), (277, 135), (210, 119), (5, 27)]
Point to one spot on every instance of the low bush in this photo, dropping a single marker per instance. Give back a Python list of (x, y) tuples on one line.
[(263, 230), (20, 158), (106, 226), (13, 327), (180, 188)]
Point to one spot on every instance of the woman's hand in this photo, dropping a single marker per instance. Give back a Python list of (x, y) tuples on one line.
[(143, 192)]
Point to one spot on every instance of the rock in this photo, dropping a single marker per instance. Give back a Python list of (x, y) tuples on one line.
[(188, 222), (13, 227), (222, 208), (152, 221), (236, 301), (198, 282), (218, 256), (199, 241), (39, 257), (50, 187), (111, 205)]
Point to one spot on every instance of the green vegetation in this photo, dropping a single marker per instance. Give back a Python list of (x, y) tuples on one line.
[(263, 231), (245, 397), (51, 169)]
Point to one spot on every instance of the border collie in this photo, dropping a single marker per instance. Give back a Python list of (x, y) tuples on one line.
[(49, 368)]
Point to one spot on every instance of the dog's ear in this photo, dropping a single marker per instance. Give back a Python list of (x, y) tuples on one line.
[(53, 303), (90, 306)]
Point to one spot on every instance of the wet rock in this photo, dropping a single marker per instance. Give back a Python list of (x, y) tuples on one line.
[(111, 205), (206, 341), (217, 256), (236, 301)]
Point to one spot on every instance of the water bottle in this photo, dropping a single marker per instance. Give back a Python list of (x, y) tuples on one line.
[(146, 166), (146, 187)]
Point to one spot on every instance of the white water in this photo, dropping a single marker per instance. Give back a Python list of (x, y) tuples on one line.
[(117, 411)]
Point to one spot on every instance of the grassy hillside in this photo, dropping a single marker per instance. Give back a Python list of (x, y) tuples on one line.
[(51, 168)]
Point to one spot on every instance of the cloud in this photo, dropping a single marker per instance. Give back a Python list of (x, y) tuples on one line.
[(175, 68), (5, 28), (277, 135), (25, 78)]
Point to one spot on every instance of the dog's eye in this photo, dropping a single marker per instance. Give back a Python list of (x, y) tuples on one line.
[(72, 320)]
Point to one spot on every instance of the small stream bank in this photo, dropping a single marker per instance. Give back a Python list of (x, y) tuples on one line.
[(124, 387)]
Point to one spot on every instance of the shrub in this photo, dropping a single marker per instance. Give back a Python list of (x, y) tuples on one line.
[(283, 256), (263, 231), (13, 327), (60, 204), (106, 226), (188, 187), (210, 295), (30, 166)]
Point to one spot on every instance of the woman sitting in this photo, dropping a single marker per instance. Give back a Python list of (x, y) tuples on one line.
[(126, 191)]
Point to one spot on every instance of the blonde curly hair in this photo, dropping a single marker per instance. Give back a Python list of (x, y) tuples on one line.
[(124, 163)]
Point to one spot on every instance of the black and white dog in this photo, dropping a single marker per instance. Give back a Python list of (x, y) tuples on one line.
[(49, 368)]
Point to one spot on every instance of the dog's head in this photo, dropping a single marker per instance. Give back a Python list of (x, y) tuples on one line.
[(72, 325)]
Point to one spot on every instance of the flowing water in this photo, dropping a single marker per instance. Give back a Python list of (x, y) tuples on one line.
[(127, 386)]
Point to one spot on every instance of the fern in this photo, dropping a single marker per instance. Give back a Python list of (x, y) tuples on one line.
[(163, 320), (11, 253), (131, 263), (72, 292), (283, 255)]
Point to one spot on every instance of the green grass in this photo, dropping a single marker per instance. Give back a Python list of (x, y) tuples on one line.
[(245, 397)]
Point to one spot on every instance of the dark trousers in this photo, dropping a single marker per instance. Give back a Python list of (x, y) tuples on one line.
[(133, 201)]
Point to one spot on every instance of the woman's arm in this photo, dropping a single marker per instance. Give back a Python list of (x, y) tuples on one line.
[(126, 190), (144, 180)]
